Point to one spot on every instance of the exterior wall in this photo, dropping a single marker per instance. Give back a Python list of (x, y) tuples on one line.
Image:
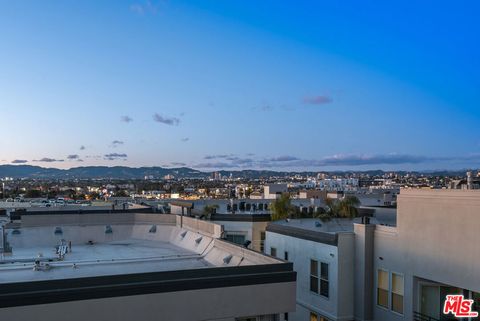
[(312, 193), (258, 228), (234, 227), (52, 219), (251, 230), (173, 306), (205, 227), (434, 240), (272, 191), (339, 305), (440, 228), (363, 283)]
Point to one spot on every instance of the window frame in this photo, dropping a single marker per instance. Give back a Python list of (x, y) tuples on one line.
[(391, 292), (319, 278), (316, 276), (377, 287), (327, 280)]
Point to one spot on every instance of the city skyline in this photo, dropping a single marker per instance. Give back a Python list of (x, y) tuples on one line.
[(208, 85)]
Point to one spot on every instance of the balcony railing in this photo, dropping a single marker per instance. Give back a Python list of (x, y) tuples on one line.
[(417, 316)]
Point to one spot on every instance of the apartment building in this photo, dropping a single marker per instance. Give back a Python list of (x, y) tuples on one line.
[(369, 270)]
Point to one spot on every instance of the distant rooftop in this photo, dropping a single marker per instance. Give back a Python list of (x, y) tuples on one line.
[(316, 225)]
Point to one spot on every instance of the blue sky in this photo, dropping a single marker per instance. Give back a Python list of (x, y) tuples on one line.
[(315, 85)]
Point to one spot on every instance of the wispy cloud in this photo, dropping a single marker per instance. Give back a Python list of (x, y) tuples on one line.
[(339, 160), (146, 7), (19, 161), (283, 159), (171, 121), (48, 160), (185, 139), (227, 162), (126, 119), (116, 143), (215, 165), (74, 157), (317, 100), (178, 164), (218, 156), (115, 156), (264, 107)]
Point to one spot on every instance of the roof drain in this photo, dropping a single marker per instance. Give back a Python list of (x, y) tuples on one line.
[(227, 258), (58, 231)]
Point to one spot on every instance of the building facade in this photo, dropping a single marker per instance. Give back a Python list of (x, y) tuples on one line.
[(387, 273)]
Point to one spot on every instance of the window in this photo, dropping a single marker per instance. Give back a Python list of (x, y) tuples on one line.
[(285, 256), (397, 293), (315, 317), (273, 251), (324, 284), (235, 238), (262, 242), (382, 288), (319, 281), (285, 316), (314, 276)]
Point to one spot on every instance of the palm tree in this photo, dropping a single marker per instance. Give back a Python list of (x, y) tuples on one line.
[(344, 208), (282, 207), (348, 207)]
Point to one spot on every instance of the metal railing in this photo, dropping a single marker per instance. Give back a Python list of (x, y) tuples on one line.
[(417, 316)]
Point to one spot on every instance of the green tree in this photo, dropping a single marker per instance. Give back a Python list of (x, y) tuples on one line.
[(33, 193), (121, 193), (282, 207), (208, 210), (344, 208)]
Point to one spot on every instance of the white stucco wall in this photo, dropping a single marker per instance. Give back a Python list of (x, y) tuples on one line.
[(339, 305), (435, 239)]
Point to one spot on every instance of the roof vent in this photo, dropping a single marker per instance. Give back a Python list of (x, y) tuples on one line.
[(318, 224), (153, 229), (16, 232), (108, 229), (183, 234), (227, 258), (199, 240), (58, 231)]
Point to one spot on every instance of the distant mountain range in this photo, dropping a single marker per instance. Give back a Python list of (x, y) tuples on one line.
[(124, 172), (116, 172)]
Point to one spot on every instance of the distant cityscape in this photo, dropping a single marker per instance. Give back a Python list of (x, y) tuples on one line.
[(92, 183)]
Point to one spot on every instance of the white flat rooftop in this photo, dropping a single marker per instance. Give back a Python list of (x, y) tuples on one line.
[(118, 257)]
